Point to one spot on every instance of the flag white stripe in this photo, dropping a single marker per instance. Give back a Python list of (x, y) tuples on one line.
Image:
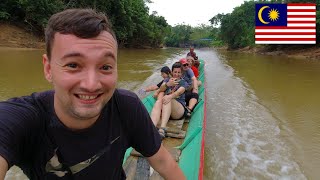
[(301, 13), (301, 25), (301, 19), (285, 30), (285, 36), (285, 42), (301, 7)]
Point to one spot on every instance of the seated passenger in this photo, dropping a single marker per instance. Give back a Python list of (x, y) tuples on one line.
[(191, 61), (165, 73), (173, 102), (194, 65), (192, 89), (192, 53)]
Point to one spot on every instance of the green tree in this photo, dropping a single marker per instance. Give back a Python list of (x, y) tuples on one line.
[(179, 36), (131, 21), (237, 28)]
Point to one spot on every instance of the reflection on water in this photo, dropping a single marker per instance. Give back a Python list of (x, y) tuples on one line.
[(136, 65), (21, 72), (262, 118)]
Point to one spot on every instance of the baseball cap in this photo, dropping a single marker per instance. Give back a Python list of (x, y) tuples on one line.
[(183, 61)]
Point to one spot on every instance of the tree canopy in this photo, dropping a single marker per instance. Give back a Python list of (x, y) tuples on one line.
[(130, 18)]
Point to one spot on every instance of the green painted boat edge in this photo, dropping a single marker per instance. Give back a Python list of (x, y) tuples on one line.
[(190, 161)]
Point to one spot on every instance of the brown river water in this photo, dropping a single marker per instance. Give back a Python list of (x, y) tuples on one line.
[(263, 118)]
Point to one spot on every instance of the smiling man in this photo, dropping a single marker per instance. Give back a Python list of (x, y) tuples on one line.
[(82, 128)]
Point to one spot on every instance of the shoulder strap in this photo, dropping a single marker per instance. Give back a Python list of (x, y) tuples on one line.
[(118, 107), (116, 97)]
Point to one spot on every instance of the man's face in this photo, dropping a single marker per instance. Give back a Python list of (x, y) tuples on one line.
[(176, 73), (83, 73), (185, 67)]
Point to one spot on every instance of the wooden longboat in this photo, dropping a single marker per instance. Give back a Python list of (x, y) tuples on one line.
[(185, 142)]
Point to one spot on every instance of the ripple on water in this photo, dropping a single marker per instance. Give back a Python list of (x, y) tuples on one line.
[(244, 134)]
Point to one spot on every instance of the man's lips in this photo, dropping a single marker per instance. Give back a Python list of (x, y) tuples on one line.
[(88, 98)]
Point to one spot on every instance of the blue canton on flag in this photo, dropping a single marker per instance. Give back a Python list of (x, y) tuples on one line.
[(271, 14)]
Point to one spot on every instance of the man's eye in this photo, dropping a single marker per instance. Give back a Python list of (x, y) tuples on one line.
[(106, 67), (72, 65)]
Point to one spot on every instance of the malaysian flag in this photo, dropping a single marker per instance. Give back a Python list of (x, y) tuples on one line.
[(285, 23)]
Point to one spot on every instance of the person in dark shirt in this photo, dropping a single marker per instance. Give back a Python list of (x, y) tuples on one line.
[(192, 53), (82, 128), (165, 73), (155, 113)]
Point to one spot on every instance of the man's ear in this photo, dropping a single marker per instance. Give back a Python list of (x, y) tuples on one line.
[(46, 68)]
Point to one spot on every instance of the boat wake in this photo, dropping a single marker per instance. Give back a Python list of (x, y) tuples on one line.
[(243, 139)]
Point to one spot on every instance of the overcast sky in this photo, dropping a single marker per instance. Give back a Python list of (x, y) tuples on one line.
[(192, 12)]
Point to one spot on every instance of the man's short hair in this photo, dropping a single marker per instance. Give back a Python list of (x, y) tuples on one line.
[(176, 65), (83, 23)]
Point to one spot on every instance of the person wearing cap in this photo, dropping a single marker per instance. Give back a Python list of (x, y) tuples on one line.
[(191, 93), (192, 53)]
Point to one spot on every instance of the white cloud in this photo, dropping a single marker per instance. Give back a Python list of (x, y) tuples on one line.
[(192, 12)]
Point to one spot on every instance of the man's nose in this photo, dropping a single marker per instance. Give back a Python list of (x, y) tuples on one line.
[(91, 81)]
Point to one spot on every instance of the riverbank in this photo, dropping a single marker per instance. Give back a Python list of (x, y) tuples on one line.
[(294, 51), (12, 36)]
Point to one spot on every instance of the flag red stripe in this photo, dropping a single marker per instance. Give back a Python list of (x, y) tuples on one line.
[(301, 10), (301, 16), (285, 33), (298, 4), (285, 39), (284, 27)]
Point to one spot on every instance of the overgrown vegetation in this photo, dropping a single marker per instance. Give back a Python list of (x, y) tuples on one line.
[(135, 27), (131, 20)]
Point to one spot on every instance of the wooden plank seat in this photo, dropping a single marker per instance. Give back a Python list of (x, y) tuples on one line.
[(174, 129), (175, 153), (130, 167), (155, 176), (137, 167), (175, 124)]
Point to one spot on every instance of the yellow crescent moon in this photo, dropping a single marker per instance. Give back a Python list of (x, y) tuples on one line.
[(260, 14)]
